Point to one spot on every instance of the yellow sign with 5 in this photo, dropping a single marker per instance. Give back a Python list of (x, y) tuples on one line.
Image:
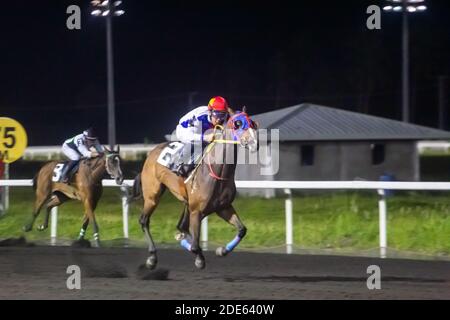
[(13, 140)]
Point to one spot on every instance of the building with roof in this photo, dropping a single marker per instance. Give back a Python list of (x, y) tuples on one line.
[(323, 143)]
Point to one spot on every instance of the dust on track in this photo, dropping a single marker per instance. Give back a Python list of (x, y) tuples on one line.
[(116, 273)]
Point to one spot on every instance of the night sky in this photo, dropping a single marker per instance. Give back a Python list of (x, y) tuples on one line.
[(265, 55)]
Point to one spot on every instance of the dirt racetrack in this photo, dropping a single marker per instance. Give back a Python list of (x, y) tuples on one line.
[(113, 273)]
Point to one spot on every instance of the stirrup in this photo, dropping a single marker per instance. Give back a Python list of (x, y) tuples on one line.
[(183, 169), (179, 170)]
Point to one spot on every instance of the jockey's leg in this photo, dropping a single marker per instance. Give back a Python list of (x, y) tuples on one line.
[(67, 169), (186, 161), (229, 214), (74, 157)]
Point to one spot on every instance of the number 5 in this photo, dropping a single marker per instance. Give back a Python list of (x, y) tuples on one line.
[(8, 134)]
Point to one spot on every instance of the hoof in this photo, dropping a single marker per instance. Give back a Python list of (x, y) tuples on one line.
[(221, 252), (42, 228), (200, 263), (180, 236), (151, 262), (27, 228)]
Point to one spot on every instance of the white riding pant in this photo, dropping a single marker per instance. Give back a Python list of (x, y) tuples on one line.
[(70, 153)]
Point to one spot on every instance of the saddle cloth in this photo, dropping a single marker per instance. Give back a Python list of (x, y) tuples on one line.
[(170, 155), (57, 172)]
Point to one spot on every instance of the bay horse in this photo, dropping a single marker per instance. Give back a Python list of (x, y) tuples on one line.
[(210, 187), (85, 186)]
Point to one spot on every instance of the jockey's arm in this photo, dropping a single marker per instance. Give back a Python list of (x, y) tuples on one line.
[(98, 147), (188, 135), (190, 127), (82, 148)]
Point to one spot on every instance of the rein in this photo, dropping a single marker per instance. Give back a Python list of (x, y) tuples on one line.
[(210, 168), (96, 162), (226, 141), (207, 154)]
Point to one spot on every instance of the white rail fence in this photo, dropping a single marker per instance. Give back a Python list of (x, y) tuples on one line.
[(287, 186), (128, 151)]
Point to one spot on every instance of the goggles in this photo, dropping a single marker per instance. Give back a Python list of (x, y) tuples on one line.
[(220, 115)]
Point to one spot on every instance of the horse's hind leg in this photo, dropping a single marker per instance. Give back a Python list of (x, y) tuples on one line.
[(41, 199), (183, 224), (43, 189), (194, 246), (55, 201), (229, 214), (151, 200)]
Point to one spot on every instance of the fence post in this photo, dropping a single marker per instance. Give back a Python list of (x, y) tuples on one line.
[(2, 189), (6, 190), (383, 222), (204, 233), (54, 225), (125, 210), (289, 221)]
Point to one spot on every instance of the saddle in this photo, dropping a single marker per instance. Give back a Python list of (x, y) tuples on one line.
[(59, 168)]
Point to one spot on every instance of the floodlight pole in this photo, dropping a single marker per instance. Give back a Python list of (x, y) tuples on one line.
[(407, 6), (405, 63), (110, 76)]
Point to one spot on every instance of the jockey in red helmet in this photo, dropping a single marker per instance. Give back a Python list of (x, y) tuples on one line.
[(192, 127)]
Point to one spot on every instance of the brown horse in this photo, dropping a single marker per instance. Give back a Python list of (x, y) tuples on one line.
[(85, 186), (210, 187)]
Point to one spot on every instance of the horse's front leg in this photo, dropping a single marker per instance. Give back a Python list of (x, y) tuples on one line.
[(229, 214), (83, 228), (89, 206), (144, 220)]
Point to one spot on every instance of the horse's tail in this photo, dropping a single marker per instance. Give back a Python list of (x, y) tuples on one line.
[(35, 181), (137, 189)]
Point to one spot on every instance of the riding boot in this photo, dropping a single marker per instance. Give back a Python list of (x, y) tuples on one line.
[(187, 168), (184, 169), (182, 160), (66, 171)]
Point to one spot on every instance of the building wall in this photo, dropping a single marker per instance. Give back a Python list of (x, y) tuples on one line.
[(400, 159), (255, 171), (333, 161), (326, 164)]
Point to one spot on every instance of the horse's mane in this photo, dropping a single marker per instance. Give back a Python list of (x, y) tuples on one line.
[(93, 163)]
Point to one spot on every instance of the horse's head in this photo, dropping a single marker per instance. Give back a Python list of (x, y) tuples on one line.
[(113, 164), (243, 129)]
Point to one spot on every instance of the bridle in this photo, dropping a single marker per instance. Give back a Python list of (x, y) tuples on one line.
[(108, 156), (207, 153)]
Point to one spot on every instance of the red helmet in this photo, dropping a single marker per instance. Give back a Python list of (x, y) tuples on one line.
[(218, 104)]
